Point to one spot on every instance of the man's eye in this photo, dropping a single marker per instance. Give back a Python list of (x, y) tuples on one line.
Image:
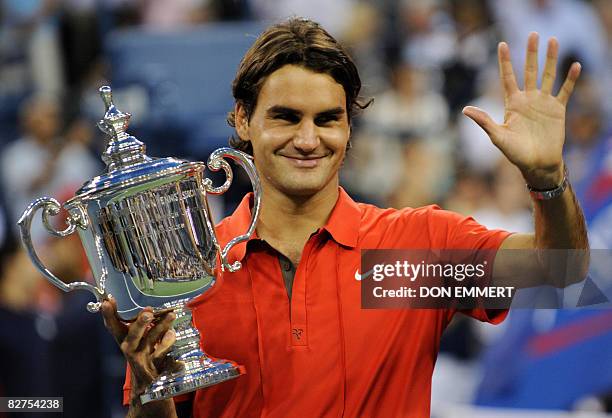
[(323, 120), (287, 117)]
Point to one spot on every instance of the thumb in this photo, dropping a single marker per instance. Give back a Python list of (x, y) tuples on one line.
[(112, 321), (483, 120), (165, 345)]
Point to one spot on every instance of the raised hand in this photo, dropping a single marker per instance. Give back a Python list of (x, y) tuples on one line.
[(533, 131)]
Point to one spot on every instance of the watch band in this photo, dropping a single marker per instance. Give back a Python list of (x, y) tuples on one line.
[(548, 194)]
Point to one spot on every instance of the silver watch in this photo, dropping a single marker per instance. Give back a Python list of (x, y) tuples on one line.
[(548, 194)]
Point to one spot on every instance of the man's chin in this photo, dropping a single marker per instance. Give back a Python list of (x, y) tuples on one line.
[(302, 188), (301, 191)]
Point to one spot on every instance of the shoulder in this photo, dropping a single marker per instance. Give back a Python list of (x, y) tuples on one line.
[(415, 217), (424, 227), (407, 226)]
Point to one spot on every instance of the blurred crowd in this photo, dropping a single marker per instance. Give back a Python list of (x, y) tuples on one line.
[(421, 61)]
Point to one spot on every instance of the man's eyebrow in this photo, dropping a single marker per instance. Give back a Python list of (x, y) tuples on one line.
[(278, 109), (336, 111), (282, 109)]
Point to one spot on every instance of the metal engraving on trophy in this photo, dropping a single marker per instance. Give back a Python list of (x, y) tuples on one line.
[(147, 231), (164, 232)]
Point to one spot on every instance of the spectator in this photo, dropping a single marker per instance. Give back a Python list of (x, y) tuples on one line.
[(425, 175), (363, 37), (173, 15), (404, 129), (510, 207), (604, 11), (429, 37), (475, 48), (475, 149), (30, 45), (587, 150), (573, 22), (411, 106), (80, 32), (331, 14), (470, 192), (41, 161), (63, 351)]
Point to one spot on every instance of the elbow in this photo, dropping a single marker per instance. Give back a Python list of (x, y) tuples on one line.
[(584, 263), (581, 257), (568, 267)]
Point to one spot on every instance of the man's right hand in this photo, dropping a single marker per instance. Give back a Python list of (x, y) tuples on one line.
[(144, 343)]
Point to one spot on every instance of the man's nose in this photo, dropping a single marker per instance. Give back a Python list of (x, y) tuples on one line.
[(306, 138)]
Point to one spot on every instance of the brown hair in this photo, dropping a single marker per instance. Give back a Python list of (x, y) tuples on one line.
[(300, 42)]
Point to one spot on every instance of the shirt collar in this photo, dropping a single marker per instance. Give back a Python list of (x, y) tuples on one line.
[(342, 225)]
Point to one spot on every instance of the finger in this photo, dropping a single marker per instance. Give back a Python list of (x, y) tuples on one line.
[(570, 81), (164, 345), (161, 328), (550, 68), (531, 62), (483, 120), (505, 69), (112, 321), (136, 330), (167, 364)]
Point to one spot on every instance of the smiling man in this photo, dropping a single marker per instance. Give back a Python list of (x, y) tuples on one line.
[(292, 315), (300, 130)]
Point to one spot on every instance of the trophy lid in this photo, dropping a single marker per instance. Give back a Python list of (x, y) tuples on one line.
[(125, 158)]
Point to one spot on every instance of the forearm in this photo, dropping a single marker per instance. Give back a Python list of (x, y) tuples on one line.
[(559, 223), (532, 138), (561, 240), (556, 254)]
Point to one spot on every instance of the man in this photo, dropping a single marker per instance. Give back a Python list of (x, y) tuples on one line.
[(292, 314), (42, 161)]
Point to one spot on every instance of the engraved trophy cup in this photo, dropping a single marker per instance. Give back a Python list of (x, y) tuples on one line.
[(147, 231)]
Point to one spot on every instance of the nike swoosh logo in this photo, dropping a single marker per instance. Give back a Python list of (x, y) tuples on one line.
[(365, 275)]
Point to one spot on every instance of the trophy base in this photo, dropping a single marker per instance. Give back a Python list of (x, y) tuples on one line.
[(198, 369), (197, 374)]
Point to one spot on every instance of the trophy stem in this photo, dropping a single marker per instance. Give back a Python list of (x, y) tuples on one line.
[(199, 370)]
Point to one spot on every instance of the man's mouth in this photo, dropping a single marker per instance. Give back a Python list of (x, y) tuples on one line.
[(304, 161)]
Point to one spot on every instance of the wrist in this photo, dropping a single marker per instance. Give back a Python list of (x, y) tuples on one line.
[(137, 389), (156, 409), (552, 192), (545, 179), (135, 401)]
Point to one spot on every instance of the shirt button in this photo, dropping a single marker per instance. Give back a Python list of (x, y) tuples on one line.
[(287, 266)]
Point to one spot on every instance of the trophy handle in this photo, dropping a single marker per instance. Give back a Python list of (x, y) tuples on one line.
[(216, 162), (51, 207)]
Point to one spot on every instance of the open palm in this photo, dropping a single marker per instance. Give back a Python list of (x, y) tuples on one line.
[(533, 131)]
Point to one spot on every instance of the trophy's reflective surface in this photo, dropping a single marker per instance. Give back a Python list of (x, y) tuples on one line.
[(147, 231)]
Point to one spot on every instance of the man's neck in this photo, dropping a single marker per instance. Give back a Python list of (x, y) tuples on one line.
[(286, 222)]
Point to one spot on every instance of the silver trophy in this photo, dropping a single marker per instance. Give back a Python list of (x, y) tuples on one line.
[(147, 231)]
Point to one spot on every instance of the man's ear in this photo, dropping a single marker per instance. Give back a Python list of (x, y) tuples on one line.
[(241, 121)]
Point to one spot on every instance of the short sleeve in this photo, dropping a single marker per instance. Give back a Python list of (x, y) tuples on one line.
[(464, 232)]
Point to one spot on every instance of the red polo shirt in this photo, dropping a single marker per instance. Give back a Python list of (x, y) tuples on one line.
[(320, 354)]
